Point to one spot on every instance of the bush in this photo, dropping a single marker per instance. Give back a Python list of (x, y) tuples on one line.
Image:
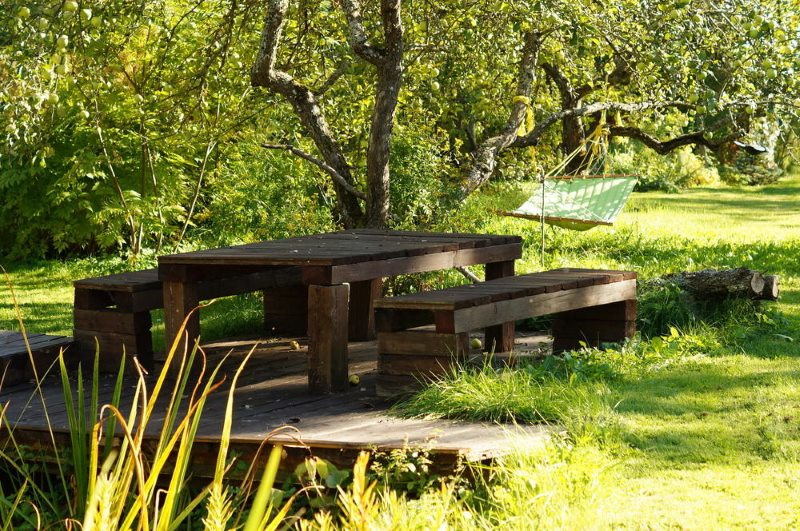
[(669, 173)]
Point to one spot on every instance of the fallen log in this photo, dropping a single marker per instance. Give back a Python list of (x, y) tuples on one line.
[(713, 284), (771, 290)]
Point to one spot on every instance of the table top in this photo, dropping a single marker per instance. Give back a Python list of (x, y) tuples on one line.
[(340, 248)]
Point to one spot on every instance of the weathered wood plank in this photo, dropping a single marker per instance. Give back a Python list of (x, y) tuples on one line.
[(423, 343), (144, 280), (327, 335), (391, 320), (112, 321), (546, 303)]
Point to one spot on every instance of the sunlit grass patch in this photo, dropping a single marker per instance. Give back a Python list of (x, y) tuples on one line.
[(504, 395), (558, 486)]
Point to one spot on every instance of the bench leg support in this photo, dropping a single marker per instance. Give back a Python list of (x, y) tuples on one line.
[(180, 298), (362, 313), (608, 323), (499, 338), (327, 338), (117, 331), (408, 358)]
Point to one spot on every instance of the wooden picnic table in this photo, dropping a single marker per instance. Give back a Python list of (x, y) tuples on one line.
[(342, 271)]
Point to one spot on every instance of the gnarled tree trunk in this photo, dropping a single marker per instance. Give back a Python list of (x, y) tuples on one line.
[(388, 61)]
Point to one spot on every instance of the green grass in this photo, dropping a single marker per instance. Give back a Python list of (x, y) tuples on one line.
[(711, 439)]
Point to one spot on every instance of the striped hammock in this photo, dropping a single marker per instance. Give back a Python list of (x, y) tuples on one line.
[(578, 203)]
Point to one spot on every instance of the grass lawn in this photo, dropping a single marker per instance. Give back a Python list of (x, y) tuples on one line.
[(710, 439)]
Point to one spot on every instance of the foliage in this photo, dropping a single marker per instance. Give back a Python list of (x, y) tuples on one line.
[(126, 128), (673, 172), (405, 469)]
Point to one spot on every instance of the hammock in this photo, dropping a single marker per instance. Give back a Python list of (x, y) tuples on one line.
[(578, 203)]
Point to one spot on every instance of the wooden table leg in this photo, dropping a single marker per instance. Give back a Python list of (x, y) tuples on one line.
[(362, 310), (180, 298), (499, 338), (327, 338)]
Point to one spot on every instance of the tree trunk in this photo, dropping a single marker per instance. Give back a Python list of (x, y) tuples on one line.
[(390, 74), (573, 137), (711, 284)]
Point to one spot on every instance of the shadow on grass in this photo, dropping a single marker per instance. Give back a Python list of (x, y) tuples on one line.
[(721, 411), (656, 256)]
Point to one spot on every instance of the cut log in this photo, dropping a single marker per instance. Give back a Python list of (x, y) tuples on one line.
[(771, 290), (710, 284)]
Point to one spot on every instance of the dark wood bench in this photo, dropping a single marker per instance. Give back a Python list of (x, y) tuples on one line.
[(15, 361), (115, 309), (590, 306)]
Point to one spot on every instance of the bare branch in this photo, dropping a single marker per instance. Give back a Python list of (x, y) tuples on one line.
[(485, 156), (475, 279), (532, 138), (663, 147), (356, 34), (330, 170)]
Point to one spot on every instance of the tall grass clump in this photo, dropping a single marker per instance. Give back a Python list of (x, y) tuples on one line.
[(132, 470), (558, 486), (525, 395)]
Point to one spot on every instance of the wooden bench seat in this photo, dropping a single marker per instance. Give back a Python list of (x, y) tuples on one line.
[(115, 309), (15, 361), (590, 306)]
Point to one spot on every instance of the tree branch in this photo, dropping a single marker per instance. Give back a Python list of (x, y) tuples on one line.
[(341, 69), (532, 138), (307, 109), (663, 147), (565, 89), (485, 156), (356, 34), (330, 170)]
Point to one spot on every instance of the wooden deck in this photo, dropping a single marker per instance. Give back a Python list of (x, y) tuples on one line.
[(272, 393)]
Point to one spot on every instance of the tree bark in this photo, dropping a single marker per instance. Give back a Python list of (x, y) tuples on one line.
[(533, 137), (486, 155), (389, 63), (573, 136), (306, 107), (662, 147), (712, 284)]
